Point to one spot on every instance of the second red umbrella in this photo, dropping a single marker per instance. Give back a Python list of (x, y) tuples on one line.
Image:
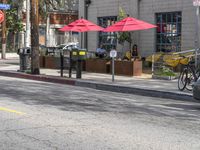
[(129, 24)]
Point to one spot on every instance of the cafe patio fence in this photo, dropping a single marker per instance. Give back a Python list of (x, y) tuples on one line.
[(170, 63)]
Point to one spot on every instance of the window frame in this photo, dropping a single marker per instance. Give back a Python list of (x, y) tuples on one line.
[(168, 33), (112, 36)]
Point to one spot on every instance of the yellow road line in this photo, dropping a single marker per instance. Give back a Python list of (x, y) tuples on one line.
[(11, 111)]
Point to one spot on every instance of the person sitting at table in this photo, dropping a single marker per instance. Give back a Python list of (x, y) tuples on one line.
[(134, 52), (100, 52), (127, 56)]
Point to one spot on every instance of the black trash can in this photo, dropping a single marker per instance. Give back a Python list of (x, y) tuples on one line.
[(24, 58)]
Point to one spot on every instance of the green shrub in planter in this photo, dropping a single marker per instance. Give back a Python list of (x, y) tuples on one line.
[(165, 71)]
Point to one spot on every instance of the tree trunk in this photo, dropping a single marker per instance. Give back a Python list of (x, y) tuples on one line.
[(35, 68)]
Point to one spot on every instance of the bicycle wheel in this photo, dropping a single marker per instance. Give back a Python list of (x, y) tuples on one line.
[(190, 79), (182, 80)]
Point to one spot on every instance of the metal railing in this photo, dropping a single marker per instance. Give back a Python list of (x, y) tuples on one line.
[(158, 65)]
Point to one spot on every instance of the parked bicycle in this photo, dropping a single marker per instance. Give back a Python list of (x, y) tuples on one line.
[(188, 76)]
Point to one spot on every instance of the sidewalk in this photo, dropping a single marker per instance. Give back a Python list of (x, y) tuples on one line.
[(143, 85)]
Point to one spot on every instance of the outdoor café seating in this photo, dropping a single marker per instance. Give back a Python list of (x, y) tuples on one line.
[(123, 66)]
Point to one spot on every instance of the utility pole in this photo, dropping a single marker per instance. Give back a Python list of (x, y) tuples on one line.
[(28, 33), (35, 68), (3, 54), (196, 3), (197, 36), (87, 4)]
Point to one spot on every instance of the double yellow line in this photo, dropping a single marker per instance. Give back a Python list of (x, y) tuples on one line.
[(11, 111)]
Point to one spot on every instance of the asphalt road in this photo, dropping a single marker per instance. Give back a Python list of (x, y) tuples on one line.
[(44, 116)]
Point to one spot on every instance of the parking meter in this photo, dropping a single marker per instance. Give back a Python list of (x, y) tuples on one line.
[(24, 56), (78, 55)]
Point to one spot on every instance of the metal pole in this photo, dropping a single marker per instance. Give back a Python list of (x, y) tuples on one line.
[(197, 36), (86, 34), (70, 64), (81, 40), (61, 63), (78, 69), (71, 36), (28, 31), (113, 69), (3, 54), (152, 65)]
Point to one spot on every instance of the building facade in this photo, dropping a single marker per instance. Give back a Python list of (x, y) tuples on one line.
[(64, 13), (176, 20)]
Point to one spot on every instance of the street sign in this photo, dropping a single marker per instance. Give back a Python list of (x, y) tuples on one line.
[(113, 53), (196, 2), (4, 6), (1, 16)]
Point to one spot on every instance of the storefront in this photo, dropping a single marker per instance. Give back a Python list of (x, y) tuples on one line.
[(175, 20)]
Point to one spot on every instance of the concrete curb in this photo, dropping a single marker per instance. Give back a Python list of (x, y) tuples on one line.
[(44, 78), (100, 86), (136, 91)]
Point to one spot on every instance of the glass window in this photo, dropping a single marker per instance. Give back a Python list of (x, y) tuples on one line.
[(107, 39), (168, 32)]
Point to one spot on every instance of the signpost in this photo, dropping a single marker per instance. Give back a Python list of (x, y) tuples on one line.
[(3, 21), (196, 3), (113, 54)]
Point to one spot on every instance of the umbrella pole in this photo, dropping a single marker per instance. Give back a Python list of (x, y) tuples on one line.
[(81, 40), (70, 58), (71, 36)]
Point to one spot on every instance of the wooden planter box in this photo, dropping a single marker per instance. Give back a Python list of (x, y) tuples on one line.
[(128, 68), (97, 65), (52, 62), (42, 61)]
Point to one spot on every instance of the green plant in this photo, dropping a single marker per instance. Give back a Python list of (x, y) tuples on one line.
[(123, 36), (165, 71)]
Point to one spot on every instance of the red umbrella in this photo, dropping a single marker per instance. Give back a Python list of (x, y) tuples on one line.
[(129, 24), (81, 25)]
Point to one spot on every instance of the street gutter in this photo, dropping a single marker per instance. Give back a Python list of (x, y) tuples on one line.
[(101, 86)]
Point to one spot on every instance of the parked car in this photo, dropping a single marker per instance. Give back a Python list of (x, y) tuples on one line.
[(69, 46), (196, 90)]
